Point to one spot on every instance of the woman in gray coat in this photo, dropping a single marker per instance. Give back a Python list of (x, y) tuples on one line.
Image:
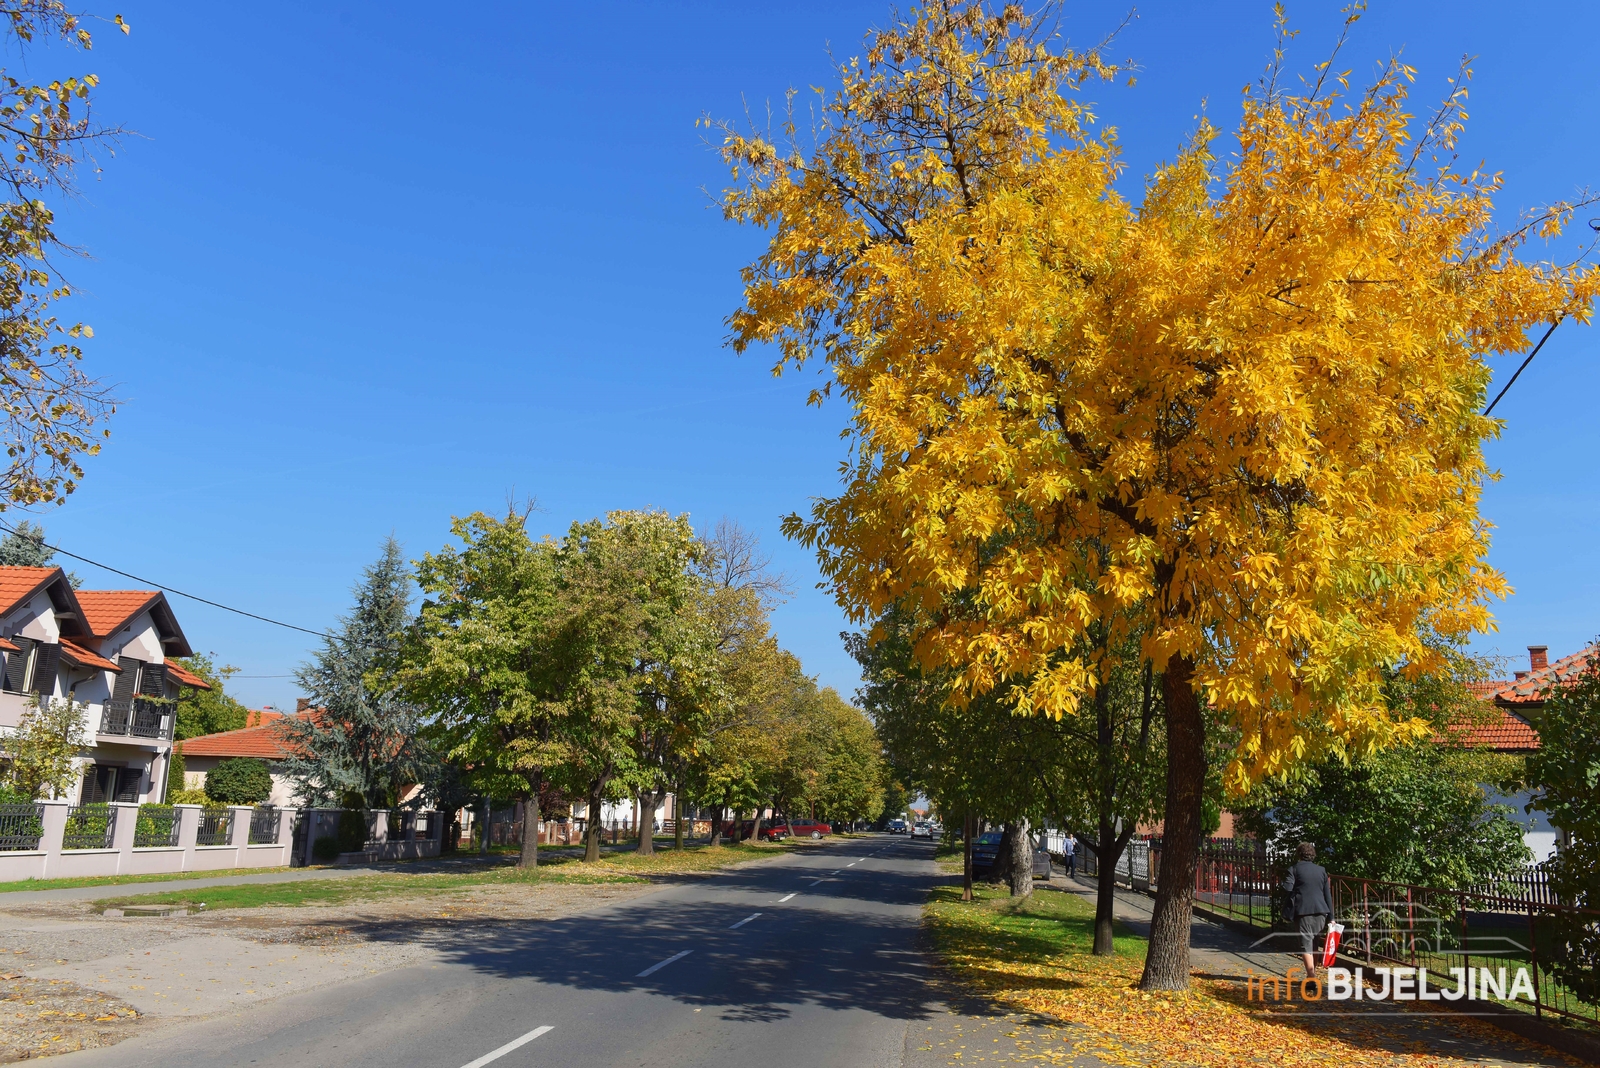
[(1310, 901)]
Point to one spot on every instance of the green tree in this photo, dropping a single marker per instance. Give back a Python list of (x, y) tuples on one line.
[(1565, 773), (48, 736), (1416, 813), (212, 711), (481, 659), (852, 782), (636, 650), (239, 781), (364, 737), (1412, 814)]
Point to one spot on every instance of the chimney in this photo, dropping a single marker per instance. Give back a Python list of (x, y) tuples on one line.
[(301, 704), (1538, 657)]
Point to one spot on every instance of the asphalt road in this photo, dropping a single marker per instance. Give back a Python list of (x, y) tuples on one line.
[(812, 959)]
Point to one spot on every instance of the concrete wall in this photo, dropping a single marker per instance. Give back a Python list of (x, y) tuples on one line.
[(50, 861)]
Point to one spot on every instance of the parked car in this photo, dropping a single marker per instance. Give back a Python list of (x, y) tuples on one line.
[(985, 848), (897, 826), (922, 829), (809, 828), (740, 831)]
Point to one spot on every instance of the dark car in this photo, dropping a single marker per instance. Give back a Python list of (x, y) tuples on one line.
[(809, 828), (985, 848), (897, 826)]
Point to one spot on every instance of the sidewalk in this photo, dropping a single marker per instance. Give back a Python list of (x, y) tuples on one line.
[(81, 893), (1220, 952)]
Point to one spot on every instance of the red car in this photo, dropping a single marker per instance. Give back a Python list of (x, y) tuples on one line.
[(808, 828), (741, 831)]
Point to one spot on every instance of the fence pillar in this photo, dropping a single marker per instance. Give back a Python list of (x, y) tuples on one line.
[(54, 828), (188, 832), (123, 830), (239, 831), (286, 835)]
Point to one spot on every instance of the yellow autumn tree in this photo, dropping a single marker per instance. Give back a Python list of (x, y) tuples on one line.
[(1238, 417)]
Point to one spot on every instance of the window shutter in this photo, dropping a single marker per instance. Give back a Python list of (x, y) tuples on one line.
[(44, 669), (153, 680), (17, 665), (128, 780), (122, 689)]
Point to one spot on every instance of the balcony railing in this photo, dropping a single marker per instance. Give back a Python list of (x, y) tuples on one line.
[(139, 718)]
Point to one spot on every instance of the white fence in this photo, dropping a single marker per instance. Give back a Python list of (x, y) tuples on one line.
[(106, 845)]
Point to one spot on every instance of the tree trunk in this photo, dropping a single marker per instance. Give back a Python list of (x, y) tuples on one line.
[(591, 836), (530, 827), (755, 826), (677, 817), (1166, 965), (966, 857), (483, 832), (1021, 874), (647, 836)]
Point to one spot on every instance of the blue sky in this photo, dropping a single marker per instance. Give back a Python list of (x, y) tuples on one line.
[(366, 267)]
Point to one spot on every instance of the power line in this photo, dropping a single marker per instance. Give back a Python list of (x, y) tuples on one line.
[(1525, 363), (168, 589)]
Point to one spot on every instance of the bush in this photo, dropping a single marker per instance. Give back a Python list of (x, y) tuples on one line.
[(239, 781), (189, 797), (326, 848), (352, 830)]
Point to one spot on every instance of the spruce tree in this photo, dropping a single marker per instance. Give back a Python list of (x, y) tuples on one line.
[(360, 736)]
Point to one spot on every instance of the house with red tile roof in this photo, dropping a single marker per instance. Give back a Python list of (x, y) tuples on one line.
[(1510, 729), (260, 738), (111, 651)]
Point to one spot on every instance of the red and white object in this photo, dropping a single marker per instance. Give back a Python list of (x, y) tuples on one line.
[(1330, 947)]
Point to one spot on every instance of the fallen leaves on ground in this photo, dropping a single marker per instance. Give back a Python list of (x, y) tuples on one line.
[(1025, 963), (40, 1017)]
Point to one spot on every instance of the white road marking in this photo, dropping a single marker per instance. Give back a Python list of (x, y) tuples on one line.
[(515, 1043), (744, 921), (659, 965), (781, 900), (852, 864)]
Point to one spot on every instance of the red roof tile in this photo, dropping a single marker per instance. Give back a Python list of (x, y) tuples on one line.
[(8, 646), (1506, 731), (260, 717), (188, 678), (264, 742), (17, 583), (78, 653), (106, 610), (1532, 688)]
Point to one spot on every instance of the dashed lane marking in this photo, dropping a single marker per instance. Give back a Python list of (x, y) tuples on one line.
[(661, 964), (515, 1043), (744, 921)]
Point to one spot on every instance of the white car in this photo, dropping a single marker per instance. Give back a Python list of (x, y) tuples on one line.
[(922, 830)]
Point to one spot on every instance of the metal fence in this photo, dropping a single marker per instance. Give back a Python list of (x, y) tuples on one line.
[(213, 827), (21, 826), (157, 825), (1424, 927), (1513, 922), (90, 827), (264, 825)]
